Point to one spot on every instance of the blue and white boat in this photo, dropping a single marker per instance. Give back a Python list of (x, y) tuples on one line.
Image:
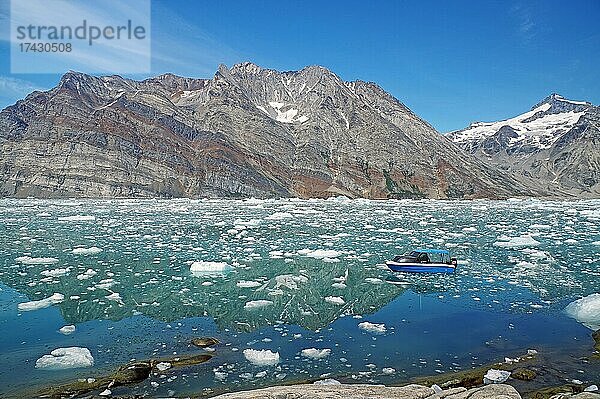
[(424, 261)]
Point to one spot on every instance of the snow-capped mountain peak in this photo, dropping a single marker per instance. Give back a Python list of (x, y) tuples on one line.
[(556, 142), (536, 129)]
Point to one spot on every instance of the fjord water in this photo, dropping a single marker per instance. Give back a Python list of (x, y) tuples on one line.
[(300, 274)]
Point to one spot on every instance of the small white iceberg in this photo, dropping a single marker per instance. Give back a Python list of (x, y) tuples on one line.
[(372, 327), (202, 268), (525, 240), (319, 253), (65, 358), (66, 330), (77, 218), (261, 357), (247, 284), (28, 260), (162, 366), (42, 303), (314, 353), (335, 300), (494, 376), (55, 272), (260, 303), (586, 311), (115, 297), (86, 251), (87, 274)]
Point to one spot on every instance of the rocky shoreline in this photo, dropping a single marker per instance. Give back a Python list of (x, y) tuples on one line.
[(413, 391), (498, 380)]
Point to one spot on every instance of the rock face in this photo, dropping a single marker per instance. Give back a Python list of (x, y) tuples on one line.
[(556, 142), (246, 132), (496, 391)]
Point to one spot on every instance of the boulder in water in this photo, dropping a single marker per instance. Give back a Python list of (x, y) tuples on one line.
[(204, 342), (523, 374)]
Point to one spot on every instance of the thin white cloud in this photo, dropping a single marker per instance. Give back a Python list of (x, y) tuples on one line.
[(184, 48), (177, 46), (118, 56), (13, 89), (525, 25), (16, 87)]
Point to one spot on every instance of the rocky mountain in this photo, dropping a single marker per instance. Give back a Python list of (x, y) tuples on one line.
[(556, 142), (246, 132)]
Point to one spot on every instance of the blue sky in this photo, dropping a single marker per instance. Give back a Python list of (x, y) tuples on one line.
[(451, 62)]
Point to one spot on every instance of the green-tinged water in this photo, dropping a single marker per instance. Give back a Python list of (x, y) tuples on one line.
[(296, 275)]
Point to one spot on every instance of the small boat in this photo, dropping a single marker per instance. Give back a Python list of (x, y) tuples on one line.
[(424, 261)]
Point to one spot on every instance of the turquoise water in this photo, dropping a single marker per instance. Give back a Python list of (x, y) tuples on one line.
[(300, 275)]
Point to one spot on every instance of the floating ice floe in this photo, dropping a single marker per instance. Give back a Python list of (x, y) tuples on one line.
[(66, 330), (372, 327), (42, 303), (260, 303), (65, 358), (219, 375), (525, 240), (320, 253), (494, 376), (289, 281), (162, 366), (115, 297), (335, 300), (87, 274), (55, 272), (314, 353), (28, 260), (200, 268), (105, 284), (261, 357), (280, 216), (77, 218), (87, 251), (247, 284), (586, 311)]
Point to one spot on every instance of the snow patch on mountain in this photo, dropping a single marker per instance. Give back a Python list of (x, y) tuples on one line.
[(282, 112), (535, 128), (561, 98)]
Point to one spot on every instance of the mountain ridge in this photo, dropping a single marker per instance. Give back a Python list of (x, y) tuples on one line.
[(247, 131)]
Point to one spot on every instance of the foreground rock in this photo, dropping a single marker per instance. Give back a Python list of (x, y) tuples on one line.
[(342, 391), (476, 376), (128, 374), (563, 392), (204, 342), (583, 395)]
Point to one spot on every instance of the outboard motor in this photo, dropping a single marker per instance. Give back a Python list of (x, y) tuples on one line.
[(454, 262)]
